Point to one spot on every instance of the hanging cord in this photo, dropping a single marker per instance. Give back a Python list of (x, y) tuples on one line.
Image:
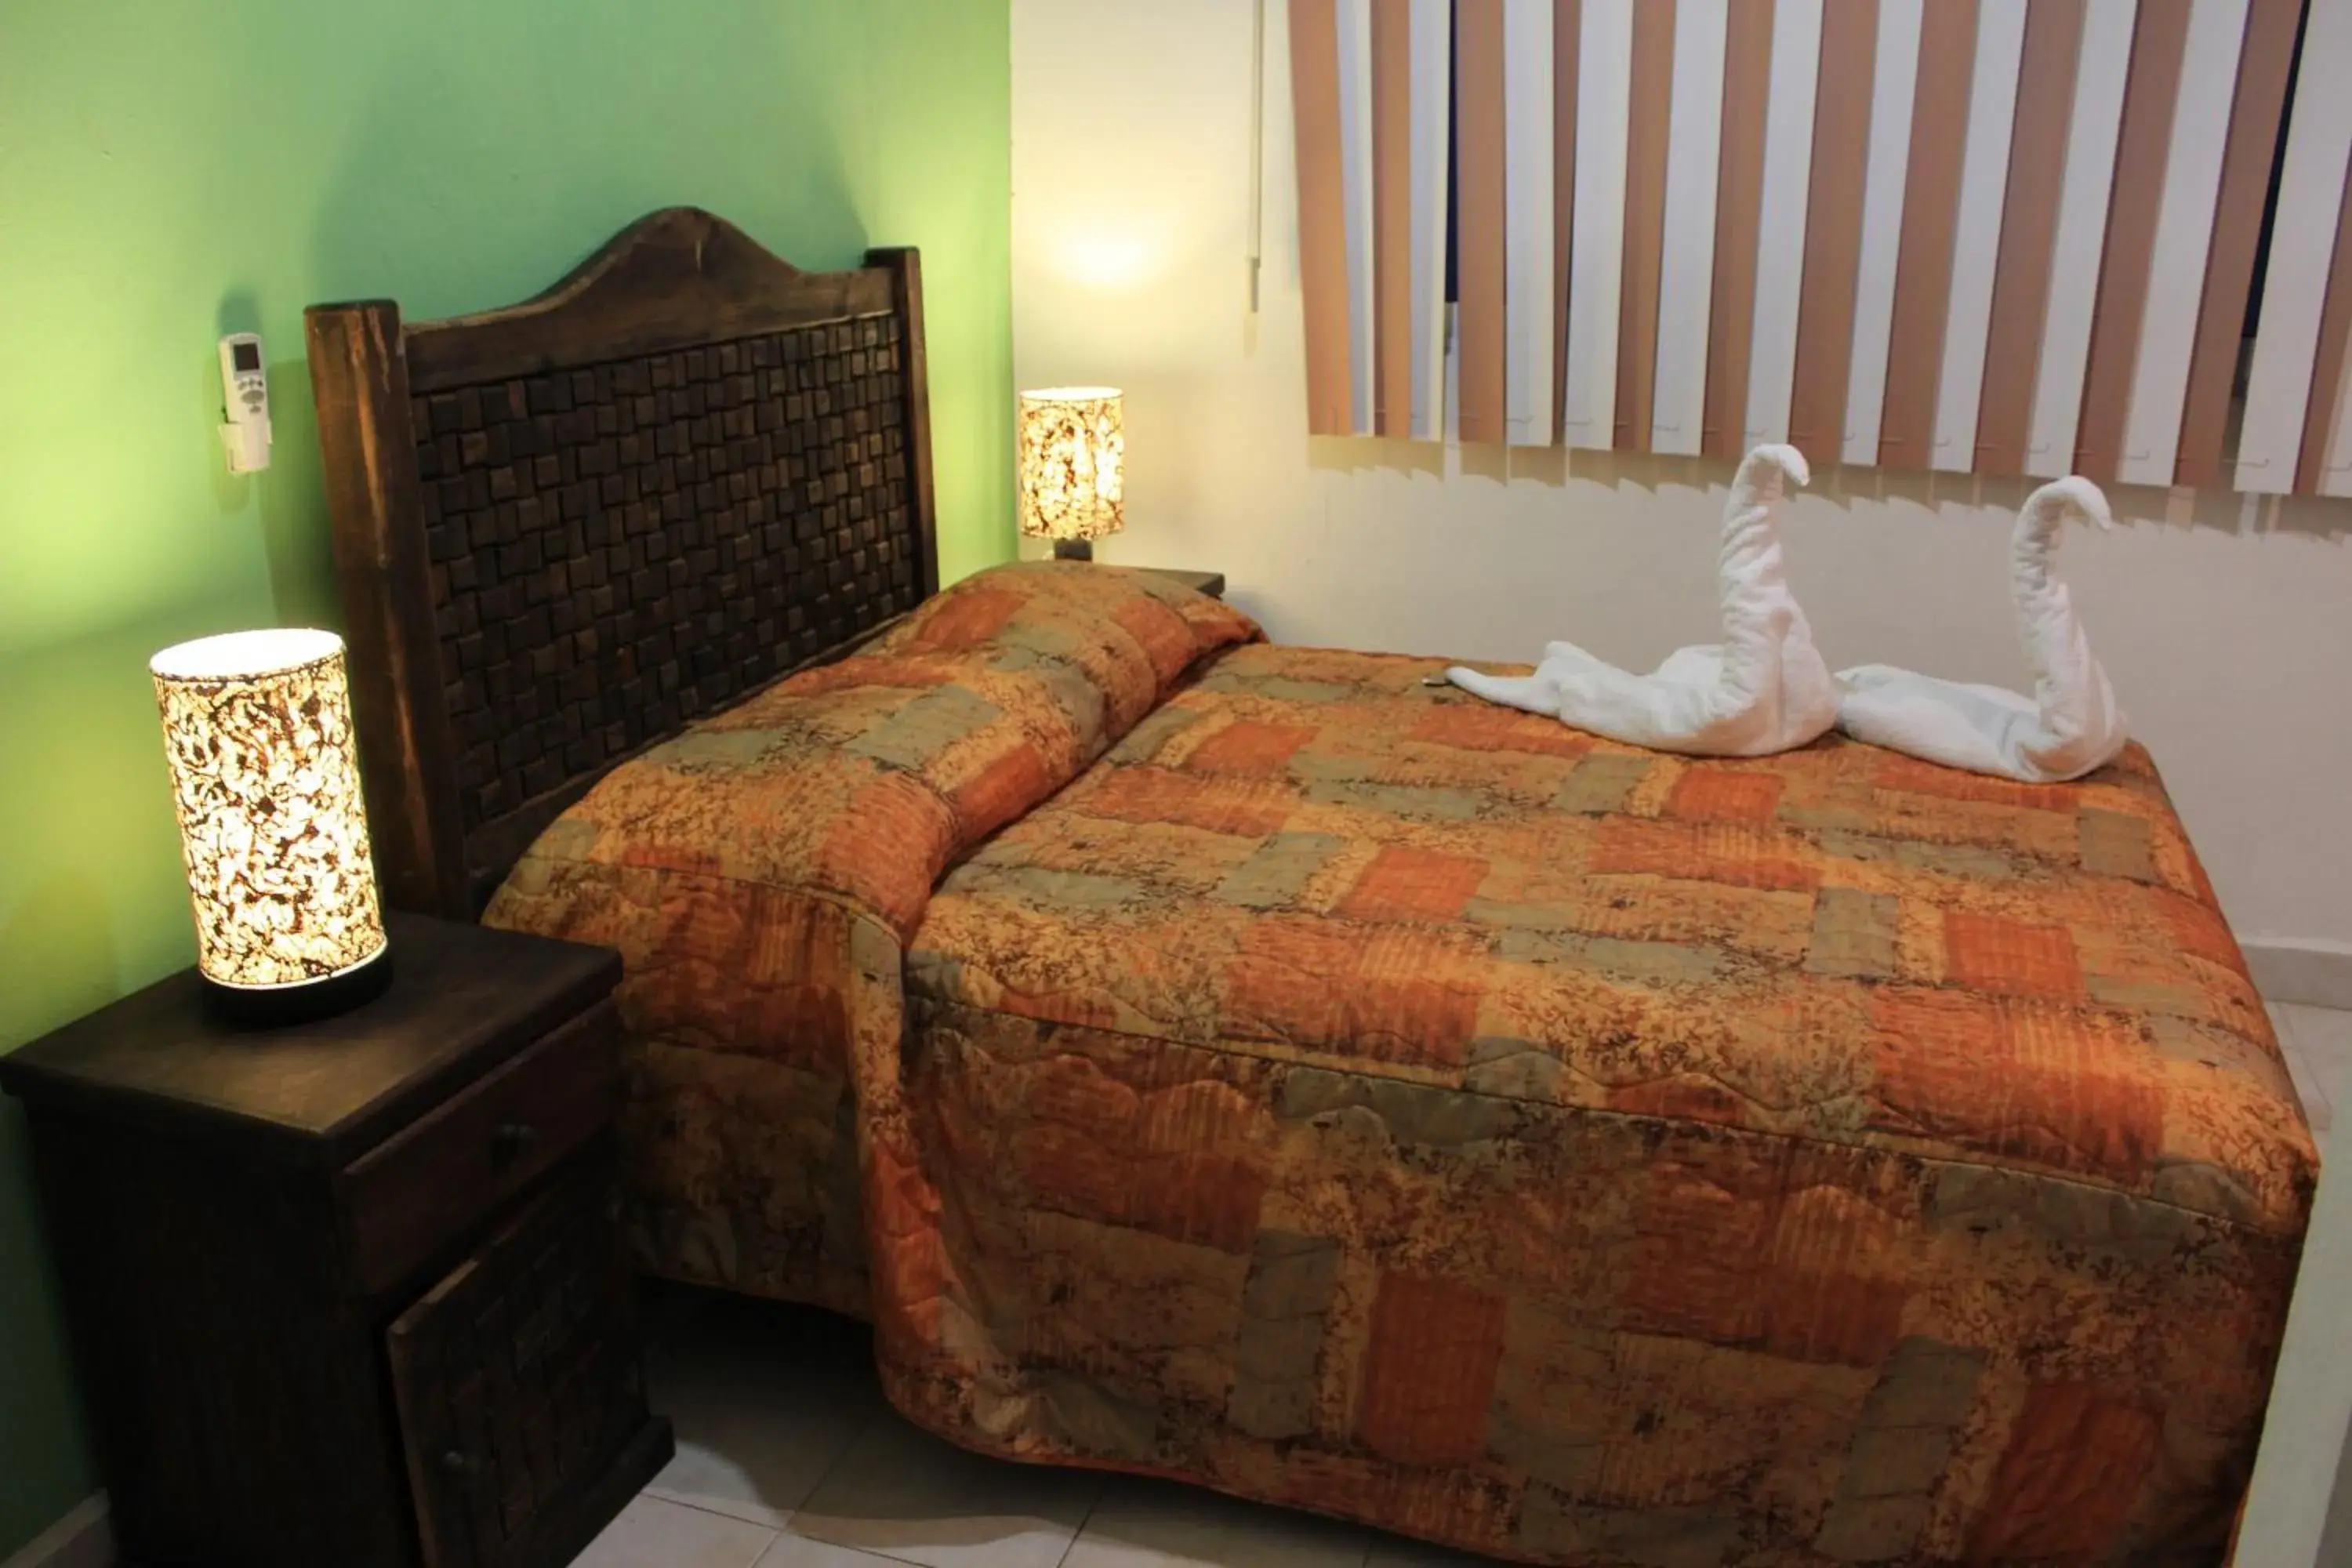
[(1257, 149)]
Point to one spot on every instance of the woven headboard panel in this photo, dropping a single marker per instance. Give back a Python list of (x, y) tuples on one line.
[(567, 529)]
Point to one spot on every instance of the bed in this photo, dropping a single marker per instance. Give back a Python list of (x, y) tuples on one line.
[(1248, 1064)]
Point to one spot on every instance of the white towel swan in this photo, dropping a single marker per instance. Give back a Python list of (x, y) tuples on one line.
[(1764, 688), (2068, 727)]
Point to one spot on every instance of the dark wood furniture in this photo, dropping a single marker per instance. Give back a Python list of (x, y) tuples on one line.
[(350, 1293), (567, 529), (1209, 583)]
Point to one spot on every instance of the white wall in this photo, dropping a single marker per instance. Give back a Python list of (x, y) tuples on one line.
[(2224, 622)]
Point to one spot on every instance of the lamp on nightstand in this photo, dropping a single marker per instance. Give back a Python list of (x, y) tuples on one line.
[(1073, 467), (258, 730)]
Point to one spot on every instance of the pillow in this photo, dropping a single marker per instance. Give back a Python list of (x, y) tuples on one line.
[(860, 781), (1127, 634)]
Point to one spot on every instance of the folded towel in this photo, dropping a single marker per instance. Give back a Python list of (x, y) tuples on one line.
[(1763, 688), (2068, 727)]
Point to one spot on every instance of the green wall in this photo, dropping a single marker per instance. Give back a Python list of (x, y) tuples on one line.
[(172, 171)]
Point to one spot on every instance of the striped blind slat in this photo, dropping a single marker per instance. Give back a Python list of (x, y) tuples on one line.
[(2005, 236)]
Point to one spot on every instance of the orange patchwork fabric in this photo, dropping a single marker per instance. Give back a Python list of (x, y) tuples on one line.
[(760, 874), (1357, 1097)]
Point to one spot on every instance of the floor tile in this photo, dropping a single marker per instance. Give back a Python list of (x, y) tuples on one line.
[(2324, 1036), (799, 1551), (2315, 1107), (904, 1493), (765, 1397), (2306, 1086), (1159, 1524), (651, 1533)]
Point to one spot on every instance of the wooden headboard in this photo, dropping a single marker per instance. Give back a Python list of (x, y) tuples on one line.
[(567, 529)]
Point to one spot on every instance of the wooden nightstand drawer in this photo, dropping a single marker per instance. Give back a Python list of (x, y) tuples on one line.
[(413, 1195)]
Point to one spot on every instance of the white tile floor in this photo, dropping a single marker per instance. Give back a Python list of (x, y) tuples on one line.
[(788, 1457), (2318, 1045)]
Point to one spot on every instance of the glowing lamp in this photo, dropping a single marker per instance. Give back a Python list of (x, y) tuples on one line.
[(1073, 463), (258, 730)]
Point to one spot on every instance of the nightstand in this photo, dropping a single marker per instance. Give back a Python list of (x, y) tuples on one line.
[(1209, 583), (351, 1292)]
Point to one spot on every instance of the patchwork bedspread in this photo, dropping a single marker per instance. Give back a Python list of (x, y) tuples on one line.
[(1352, 1095)]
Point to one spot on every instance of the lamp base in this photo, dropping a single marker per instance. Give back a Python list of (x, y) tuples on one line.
[(280, 1006), (1073, 550)]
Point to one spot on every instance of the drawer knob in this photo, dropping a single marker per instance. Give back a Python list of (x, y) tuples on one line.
[(457, 1462), (514, 1141)]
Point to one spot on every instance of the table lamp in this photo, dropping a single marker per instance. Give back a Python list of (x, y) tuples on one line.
[(258, 730), (1073, 462)]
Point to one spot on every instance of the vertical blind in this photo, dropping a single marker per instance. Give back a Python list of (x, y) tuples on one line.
[(1980, 235)]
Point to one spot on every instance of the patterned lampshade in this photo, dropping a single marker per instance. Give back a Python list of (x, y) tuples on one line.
[(257, 730), (1073, 462)]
